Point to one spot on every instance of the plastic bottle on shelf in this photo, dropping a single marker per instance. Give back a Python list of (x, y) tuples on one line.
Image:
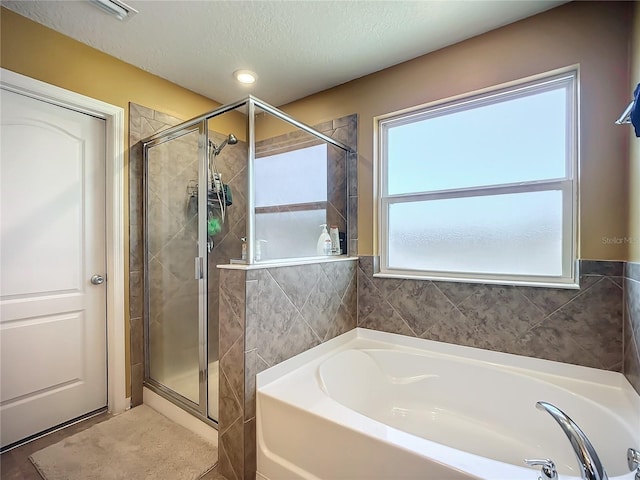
[(335, 240), (323, 246), (244, 248)]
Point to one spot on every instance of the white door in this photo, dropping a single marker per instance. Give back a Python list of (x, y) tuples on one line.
[(53, 365)]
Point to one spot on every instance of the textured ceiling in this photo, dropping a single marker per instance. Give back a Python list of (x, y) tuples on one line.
[(296, 47)]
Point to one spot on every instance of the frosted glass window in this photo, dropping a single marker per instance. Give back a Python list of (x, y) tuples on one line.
[(294, 177), (515, 140), (289, 234), (515, 234), (483, 187)]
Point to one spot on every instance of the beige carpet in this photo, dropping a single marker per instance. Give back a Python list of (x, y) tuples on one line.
[(138, 444)]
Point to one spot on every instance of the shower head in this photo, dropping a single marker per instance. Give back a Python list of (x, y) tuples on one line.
[(231, 140)]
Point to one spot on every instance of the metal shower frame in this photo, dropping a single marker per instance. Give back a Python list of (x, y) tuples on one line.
[(199, 124)]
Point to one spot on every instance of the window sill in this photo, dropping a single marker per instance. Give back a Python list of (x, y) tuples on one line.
[(570, 285)]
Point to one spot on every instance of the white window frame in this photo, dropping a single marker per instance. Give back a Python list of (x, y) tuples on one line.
[(567, 77)]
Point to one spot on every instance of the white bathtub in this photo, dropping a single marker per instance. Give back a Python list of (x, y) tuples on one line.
[(370, 405)]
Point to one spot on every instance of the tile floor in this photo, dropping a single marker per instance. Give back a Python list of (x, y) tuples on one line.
[(15, 464)]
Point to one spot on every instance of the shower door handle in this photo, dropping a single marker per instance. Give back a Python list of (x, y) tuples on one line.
[(199, 268)]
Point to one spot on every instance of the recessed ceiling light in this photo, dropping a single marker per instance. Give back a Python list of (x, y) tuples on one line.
[(115, 8), (245, 76)]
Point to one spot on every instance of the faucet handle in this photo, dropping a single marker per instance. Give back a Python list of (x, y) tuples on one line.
[(549, 471)]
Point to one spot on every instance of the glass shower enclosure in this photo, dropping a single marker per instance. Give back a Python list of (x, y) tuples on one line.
[(212, 197)]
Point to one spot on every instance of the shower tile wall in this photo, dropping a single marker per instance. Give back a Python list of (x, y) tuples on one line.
[(169, 201), (582, 327), (631, 326), (266, 317)]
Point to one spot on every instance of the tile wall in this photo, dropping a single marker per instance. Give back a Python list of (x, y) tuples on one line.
[(267, 316), (631, 325), (582, 327)]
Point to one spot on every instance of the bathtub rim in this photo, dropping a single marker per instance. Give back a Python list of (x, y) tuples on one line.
[(510, 361), (268, 382)]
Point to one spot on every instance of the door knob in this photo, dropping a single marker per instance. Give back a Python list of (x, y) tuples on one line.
[(97, 279)]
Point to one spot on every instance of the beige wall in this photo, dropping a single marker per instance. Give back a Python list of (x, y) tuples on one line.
[(30, 49), (593, 34), (634, 150)]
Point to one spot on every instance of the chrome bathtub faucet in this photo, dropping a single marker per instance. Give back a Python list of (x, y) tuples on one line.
[(549, 471), (633, 460), (590, 466)]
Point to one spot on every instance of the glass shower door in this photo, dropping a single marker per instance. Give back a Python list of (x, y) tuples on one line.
[(174, 293)]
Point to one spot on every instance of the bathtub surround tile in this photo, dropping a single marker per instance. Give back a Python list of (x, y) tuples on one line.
[(600, 314), (385, 319), (606, 269), (250, 459), (551, 340), (343, 322), (251, 322), (385, 286), (251, 370), (369, 298), (457, 292), (631, 336), (230, 362), (321, 306), (350, 296), (230, 406), (232, 285), (631, 365), (550, 299), (299, 338), (632, 271), (233, 444), (296, 282), (284, 306), (617, 280), (500, 315), (231, 331), (632, 304), (224, 463), (582, 326), (422, 305)]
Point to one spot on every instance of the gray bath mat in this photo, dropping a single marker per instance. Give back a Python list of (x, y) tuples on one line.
[(138, 444)]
